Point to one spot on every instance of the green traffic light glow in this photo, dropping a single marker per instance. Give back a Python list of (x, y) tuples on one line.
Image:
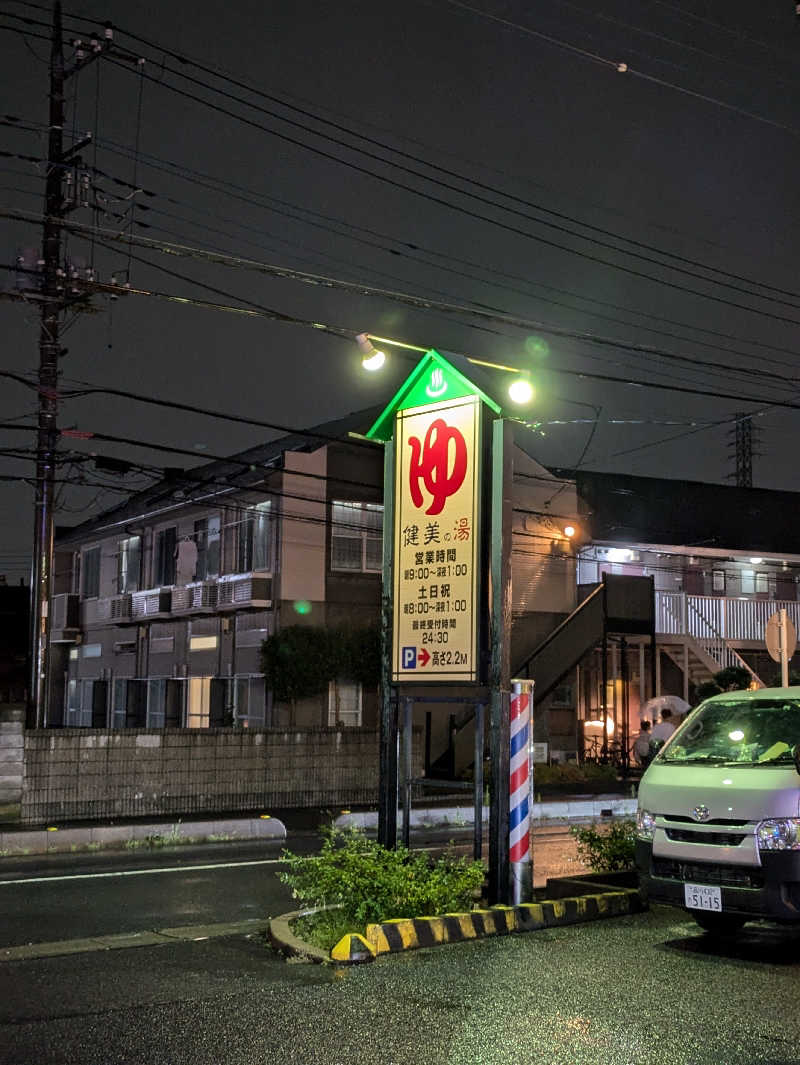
[(302, 606)]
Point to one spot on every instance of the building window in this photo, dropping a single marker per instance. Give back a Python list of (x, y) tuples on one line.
[(90, 573), (203, 643), (164, 556), (156, 702), (92, 650), (249, 701), (762, 584), (79, 703), (253, 540), (199, 702), (207, 538), (344, 703), (119, 702), (718, 580), (129, 562), (748, 581), (357, 537)]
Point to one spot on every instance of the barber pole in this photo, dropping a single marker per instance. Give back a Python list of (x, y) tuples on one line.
[(519, 787)]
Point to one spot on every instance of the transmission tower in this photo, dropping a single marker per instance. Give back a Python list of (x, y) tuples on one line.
[(742, 447)]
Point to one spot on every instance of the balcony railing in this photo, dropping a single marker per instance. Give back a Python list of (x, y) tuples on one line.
[(709, 618), (191, 598), (152, 603), (244, 589)]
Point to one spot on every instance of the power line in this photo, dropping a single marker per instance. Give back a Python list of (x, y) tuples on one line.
[(625, 68)]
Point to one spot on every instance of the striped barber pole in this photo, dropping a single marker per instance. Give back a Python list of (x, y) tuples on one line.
[(519, 784)]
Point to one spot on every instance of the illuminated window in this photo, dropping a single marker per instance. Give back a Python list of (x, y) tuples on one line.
[(198, 706), (357, 537), (203, 643), (344, 703)]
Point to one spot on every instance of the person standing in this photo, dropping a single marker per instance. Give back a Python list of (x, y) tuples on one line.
[(664, 729), (641, 745)]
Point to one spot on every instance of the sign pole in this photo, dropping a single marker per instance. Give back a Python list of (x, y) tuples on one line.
[(387, 778), (784, 644), (500, 658)]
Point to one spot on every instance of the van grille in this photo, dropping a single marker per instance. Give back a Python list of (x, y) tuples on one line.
[(718, 839), (726, 821), (708, 873)]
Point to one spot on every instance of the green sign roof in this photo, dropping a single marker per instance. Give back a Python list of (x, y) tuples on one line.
[(431, 380)]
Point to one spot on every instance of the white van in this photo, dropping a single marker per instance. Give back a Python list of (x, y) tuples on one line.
[(718, 823)]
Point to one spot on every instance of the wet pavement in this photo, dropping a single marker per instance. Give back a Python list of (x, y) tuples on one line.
[(641, 990)]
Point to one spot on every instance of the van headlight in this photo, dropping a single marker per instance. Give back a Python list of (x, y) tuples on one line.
[(779, 834), (645, 824)]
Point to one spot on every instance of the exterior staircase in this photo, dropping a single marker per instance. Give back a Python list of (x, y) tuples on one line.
[(706, 659)]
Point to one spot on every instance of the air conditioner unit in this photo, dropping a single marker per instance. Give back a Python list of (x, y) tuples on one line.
[(120, 607), (205, 595), (65, 613)]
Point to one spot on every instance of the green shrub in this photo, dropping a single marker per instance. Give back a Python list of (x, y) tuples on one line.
[(607, 851), (371, 883), (561, 777)]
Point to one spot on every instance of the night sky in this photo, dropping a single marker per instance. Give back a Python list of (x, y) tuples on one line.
[(691, 152)]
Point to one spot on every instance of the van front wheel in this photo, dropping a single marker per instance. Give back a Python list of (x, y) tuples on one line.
[(718, 924)]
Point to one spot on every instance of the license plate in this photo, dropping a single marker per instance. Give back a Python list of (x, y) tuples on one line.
[(702, 897)]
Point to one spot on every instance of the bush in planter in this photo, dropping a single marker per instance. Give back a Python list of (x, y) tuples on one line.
[(369, 883), (566, 776), (608, 851)]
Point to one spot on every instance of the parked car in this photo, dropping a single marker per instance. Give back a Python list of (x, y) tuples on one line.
[(718, 822)]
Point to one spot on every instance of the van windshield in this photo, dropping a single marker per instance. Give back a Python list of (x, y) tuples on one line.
[(741, 731)]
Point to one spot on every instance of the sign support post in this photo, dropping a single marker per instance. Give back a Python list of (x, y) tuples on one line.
[(387, 771), (500, 659)]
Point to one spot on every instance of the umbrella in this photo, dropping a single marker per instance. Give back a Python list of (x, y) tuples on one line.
[(651, 710)]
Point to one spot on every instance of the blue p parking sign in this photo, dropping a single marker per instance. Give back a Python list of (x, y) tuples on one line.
[(409, 658)]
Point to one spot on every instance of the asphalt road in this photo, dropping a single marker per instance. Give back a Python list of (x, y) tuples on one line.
[(641, 990), (71, 897), (43, 899)]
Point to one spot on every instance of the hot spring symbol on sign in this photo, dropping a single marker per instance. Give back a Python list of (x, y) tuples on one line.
[(431, 463)]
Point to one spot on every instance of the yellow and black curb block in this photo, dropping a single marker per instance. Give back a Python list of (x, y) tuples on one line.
[(411, 933), (353, 948)]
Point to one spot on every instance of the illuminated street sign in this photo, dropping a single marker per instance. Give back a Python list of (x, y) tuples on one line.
[(435, 419)]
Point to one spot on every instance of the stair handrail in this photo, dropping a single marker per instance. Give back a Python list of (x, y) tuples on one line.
[(523, 670)]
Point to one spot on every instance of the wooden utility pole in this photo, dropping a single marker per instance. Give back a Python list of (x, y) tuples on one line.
[(49, 348)]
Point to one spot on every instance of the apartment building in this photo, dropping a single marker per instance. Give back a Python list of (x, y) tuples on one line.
[(162, 604)]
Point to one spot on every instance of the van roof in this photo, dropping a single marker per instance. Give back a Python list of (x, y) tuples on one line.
[(759, 693)]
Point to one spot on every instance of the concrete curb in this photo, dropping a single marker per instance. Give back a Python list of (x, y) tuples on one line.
[(411, 933), (54, 840), (283, 939), (464, 816)]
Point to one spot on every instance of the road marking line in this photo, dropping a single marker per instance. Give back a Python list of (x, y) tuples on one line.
[(141, 872)]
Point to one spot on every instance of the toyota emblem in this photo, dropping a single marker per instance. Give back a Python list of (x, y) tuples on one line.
[(701, 813)]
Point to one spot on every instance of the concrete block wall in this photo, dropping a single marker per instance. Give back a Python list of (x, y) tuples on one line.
[(89, 774), (12, 756)]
